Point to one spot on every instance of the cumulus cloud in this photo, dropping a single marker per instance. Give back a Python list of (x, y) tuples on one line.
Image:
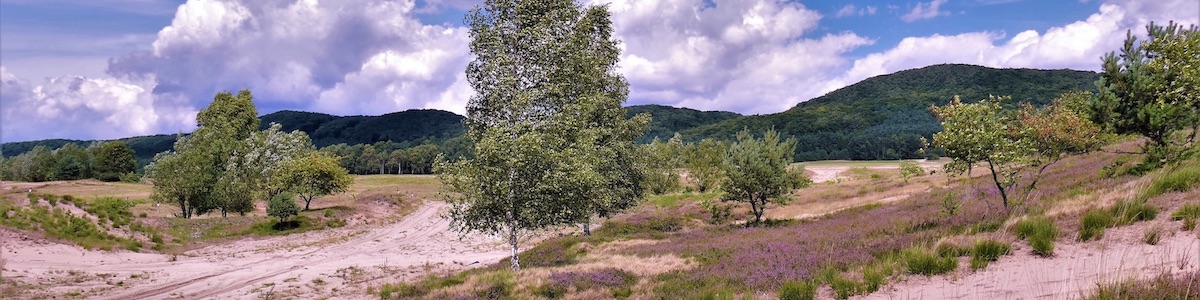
[(745, 56), (1077, 45), (340, 57), (76, 106), (925, 10)]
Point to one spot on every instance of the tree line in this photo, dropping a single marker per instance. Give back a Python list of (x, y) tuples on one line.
[(105, 161)]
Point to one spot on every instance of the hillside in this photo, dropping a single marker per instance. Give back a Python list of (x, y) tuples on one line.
[(667, 120), (884, 117)]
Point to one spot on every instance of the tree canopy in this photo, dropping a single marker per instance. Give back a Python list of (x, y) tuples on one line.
[(552, 144), (756, 171)]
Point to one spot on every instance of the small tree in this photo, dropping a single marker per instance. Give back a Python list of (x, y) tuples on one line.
[(1152, 89), (1013, 144), (910, 169), (282, 206), (757, 171), (704, 163), (112, 159), (312, 175)]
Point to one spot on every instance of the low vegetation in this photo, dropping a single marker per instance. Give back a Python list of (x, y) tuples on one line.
[(1040, 231), (1165, 286)]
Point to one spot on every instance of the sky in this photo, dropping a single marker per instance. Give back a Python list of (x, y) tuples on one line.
[(85, 69)]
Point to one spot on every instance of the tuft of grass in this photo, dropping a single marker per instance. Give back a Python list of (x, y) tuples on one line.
[(986, 251), (1188, 213), (1129, 212), (1165, 286), (1153, 235), (1041, 232), (798, 290), (1181, 179), (683, 285), (1093, 224), (952, 250), (924, 262)]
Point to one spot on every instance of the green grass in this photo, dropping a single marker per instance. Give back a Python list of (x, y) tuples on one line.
[(676, 200), (1166, 286), (1188, 213), (1093, 223), (1040, 231), (798, 290), (59, 224), (1182, 179), (924, 262), (986, 251)]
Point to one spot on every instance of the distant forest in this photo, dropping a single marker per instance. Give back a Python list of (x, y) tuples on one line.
[(880, 118)]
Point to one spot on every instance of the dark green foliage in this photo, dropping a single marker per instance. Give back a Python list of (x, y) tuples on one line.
[(113, 160), (666, 121), (400, 127), (884, 117), (282, 206), (986, 251), (1041, 232)]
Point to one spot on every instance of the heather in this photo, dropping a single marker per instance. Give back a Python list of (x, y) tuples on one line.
[(613, 279), (763, 258)]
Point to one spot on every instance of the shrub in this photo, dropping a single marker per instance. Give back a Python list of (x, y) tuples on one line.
[(1041, 232), (130, 178), (1188, 213), (798, 290), (910, 169), (335, 223), (986, 251), (924, 262), (282, 206), (1093, 224)]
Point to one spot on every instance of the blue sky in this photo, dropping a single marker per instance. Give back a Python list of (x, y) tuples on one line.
[(109, 69)]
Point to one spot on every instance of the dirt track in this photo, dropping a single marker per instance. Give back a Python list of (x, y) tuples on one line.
[(333, 263)]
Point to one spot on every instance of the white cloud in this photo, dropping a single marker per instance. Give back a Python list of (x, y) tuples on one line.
[(1077, 45), (850, 10), (341, 57), (925, 10), (745, 56), (76, 106)]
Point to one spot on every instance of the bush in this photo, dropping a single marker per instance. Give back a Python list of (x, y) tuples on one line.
[(1041, 232), (925, 262), (798, 290), (986, 251), (282, 206), (1188, 213), (130, 177), (1093, 224), (910, 169)]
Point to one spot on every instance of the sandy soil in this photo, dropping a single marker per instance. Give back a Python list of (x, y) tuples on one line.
[(339, 263), (1074, 272)]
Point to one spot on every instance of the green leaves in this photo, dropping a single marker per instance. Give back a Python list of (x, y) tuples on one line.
[(552, 142), (756, 171), (311, 175)]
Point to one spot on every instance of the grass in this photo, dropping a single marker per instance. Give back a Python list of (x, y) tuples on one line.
[(1040, 231), (986, 251), (59, 224), (798, 290), (1188, 213), (1165, 286), (1093, 223), (922, 261), (1181, 179), (675, 200)]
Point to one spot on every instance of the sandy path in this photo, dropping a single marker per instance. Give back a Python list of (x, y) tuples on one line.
[(310, 265), (1074, 272)]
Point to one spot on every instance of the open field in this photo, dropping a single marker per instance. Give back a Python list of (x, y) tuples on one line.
[(848, 237)]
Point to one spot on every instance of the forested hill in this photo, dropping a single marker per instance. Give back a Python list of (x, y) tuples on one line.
[(667, 120), (884, 117), (411, 127)]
